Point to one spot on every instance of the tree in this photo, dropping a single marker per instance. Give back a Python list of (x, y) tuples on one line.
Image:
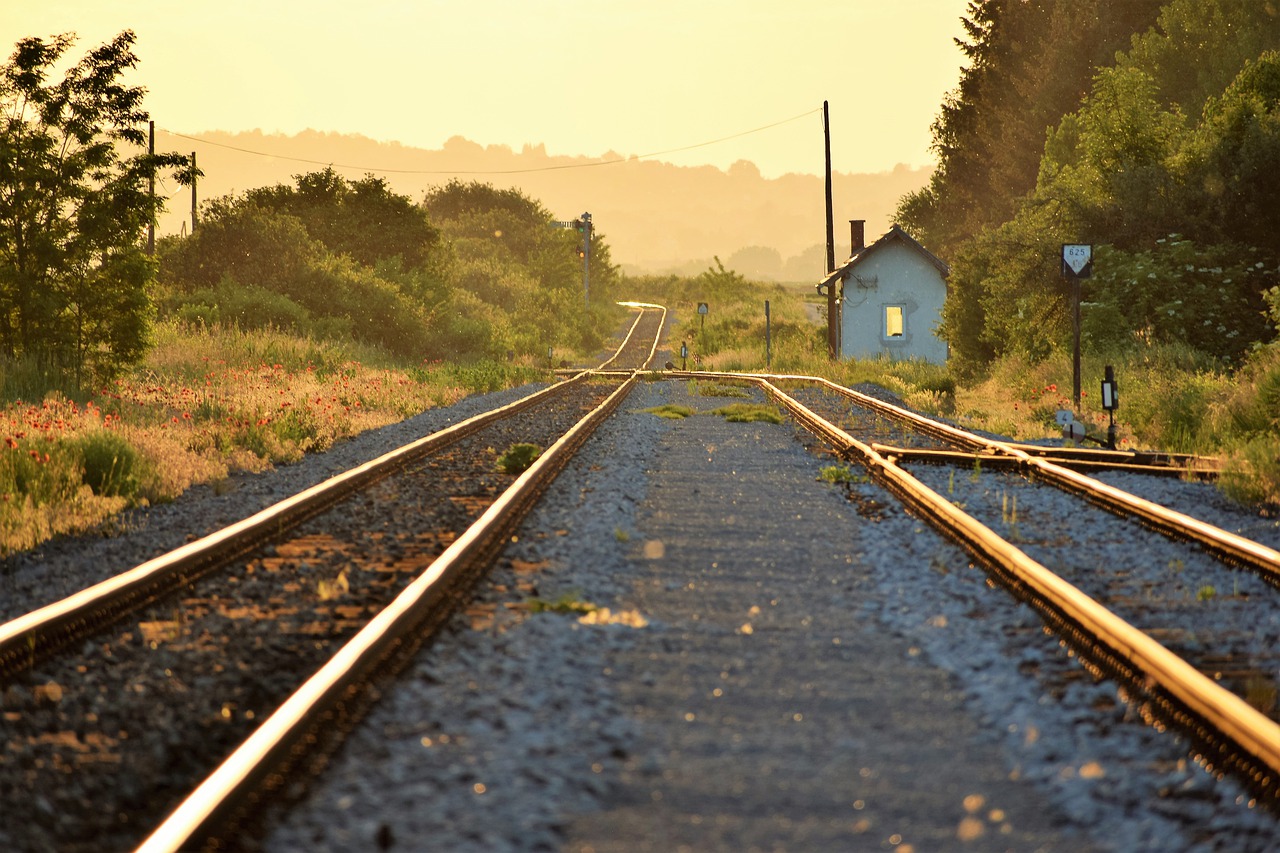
[(1030, 63), (362, 219), (74, 202)]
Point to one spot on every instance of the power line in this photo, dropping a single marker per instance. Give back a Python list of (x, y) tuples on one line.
[(497, 171)]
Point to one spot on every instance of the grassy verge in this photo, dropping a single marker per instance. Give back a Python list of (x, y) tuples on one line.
[(206, 403)]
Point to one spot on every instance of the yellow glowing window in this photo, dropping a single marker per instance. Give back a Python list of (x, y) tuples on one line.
[(893, 321)]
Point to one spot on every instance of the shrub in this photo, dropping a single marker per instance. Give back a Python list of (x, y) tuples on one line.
[(518, 458), (111, 466), (1252, 474)]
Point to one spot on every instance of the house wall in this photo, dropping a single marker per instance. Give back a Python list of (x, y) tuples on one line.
[(894, 275)]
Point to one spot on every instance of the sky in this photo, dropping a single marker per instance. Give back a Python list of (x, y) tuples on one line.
[(582, 77)]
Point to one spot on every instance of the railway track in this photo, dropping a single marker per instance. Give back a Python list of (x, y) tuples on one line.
[(1233, 724), (1201, 684), (343, 580)]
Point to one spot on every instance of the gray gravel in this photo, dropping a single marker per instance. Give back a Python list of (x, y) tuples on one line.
[(541, 733), (532, 731)]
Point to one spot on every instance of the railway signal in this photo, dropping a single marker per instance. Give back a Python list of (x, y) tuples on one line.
[(1110, 402), (583, 226)]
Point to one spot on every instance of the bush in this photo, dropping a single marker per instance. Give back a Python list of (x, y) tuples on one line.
[(239, 306), (518, 458), (110, 465), (1252, 474)]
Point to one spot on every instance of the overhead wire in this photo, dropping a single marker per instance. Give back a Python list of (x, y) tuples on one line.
[(559, 167)]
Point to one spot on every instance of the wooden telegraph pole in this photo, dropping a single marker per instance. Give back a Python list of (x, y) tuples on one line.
[(193, 192), (833, 307), (151, 226)]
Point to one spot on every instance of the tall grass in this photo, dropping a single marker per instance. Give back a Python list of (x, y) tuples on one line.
[(206, 402)]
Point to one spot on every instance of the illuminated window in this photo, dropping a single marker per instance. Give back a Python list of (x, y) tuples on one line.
[(893, 321)]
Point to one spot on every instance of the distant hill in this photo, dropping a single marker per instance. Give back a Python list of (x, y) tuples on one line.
[(656, 216)]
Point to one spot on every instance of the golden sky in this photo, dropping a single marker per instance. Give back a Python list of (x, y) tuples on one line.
[(582, 77)]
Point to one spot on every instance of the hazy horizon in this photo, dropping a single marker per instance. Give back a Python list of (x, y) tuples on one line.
[(712, 82), (655, 215)]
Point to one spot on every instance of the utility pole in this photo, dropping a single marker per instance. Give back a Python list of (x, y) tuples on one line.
[(833, 307), (586, 259), (151, 226), (193, 192)]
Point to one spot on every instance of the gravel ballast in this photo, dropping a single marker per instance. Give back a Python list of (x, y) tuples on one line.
[(943, 718)]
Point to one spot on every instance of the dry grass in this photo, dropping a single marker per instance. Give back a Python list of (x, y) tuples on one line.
[(206, 403)]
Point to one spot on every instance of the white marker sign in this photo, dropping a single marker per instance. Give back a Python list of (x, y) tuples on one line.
[(1077, 259)]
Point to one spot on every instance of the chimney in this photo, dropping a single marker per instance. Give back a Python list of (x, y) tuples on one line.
[(857, 235)]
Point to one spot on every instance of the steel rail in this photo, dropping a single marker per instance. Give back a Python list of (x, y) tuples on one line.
[(35, 635), (1231, 547), (653, 347), (1005, 462), (230, 793), (1222, 721)]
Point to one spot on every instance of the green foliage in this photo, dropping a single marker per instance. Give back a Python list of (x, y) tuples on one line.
[(1210, 297), (242, 243), (1198, 46), (1006, 295), (36, 475), (518, 457), (112, 466), (524, 276), (746, 413), (334, 258), (361, 219), (74, 202), (482, 376), (717, 282), (1252, 474), (1029, 64), (238, 306), (1129, 173), (247, 265), (717, 389), (1232, 188), (841, 475), (671, 411)]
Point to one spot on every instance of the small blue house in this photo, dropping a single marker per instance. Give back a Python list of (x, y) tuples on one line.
[(889, 299)]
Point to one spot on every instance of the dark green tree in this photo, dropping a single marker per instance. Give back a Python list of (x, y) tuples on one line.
[(362, 219), (74, 204), (1197, 47), (1030, 63)]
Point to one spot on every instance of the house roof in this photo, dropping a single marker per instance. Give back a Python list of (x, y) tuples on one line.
[(894, 233)]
